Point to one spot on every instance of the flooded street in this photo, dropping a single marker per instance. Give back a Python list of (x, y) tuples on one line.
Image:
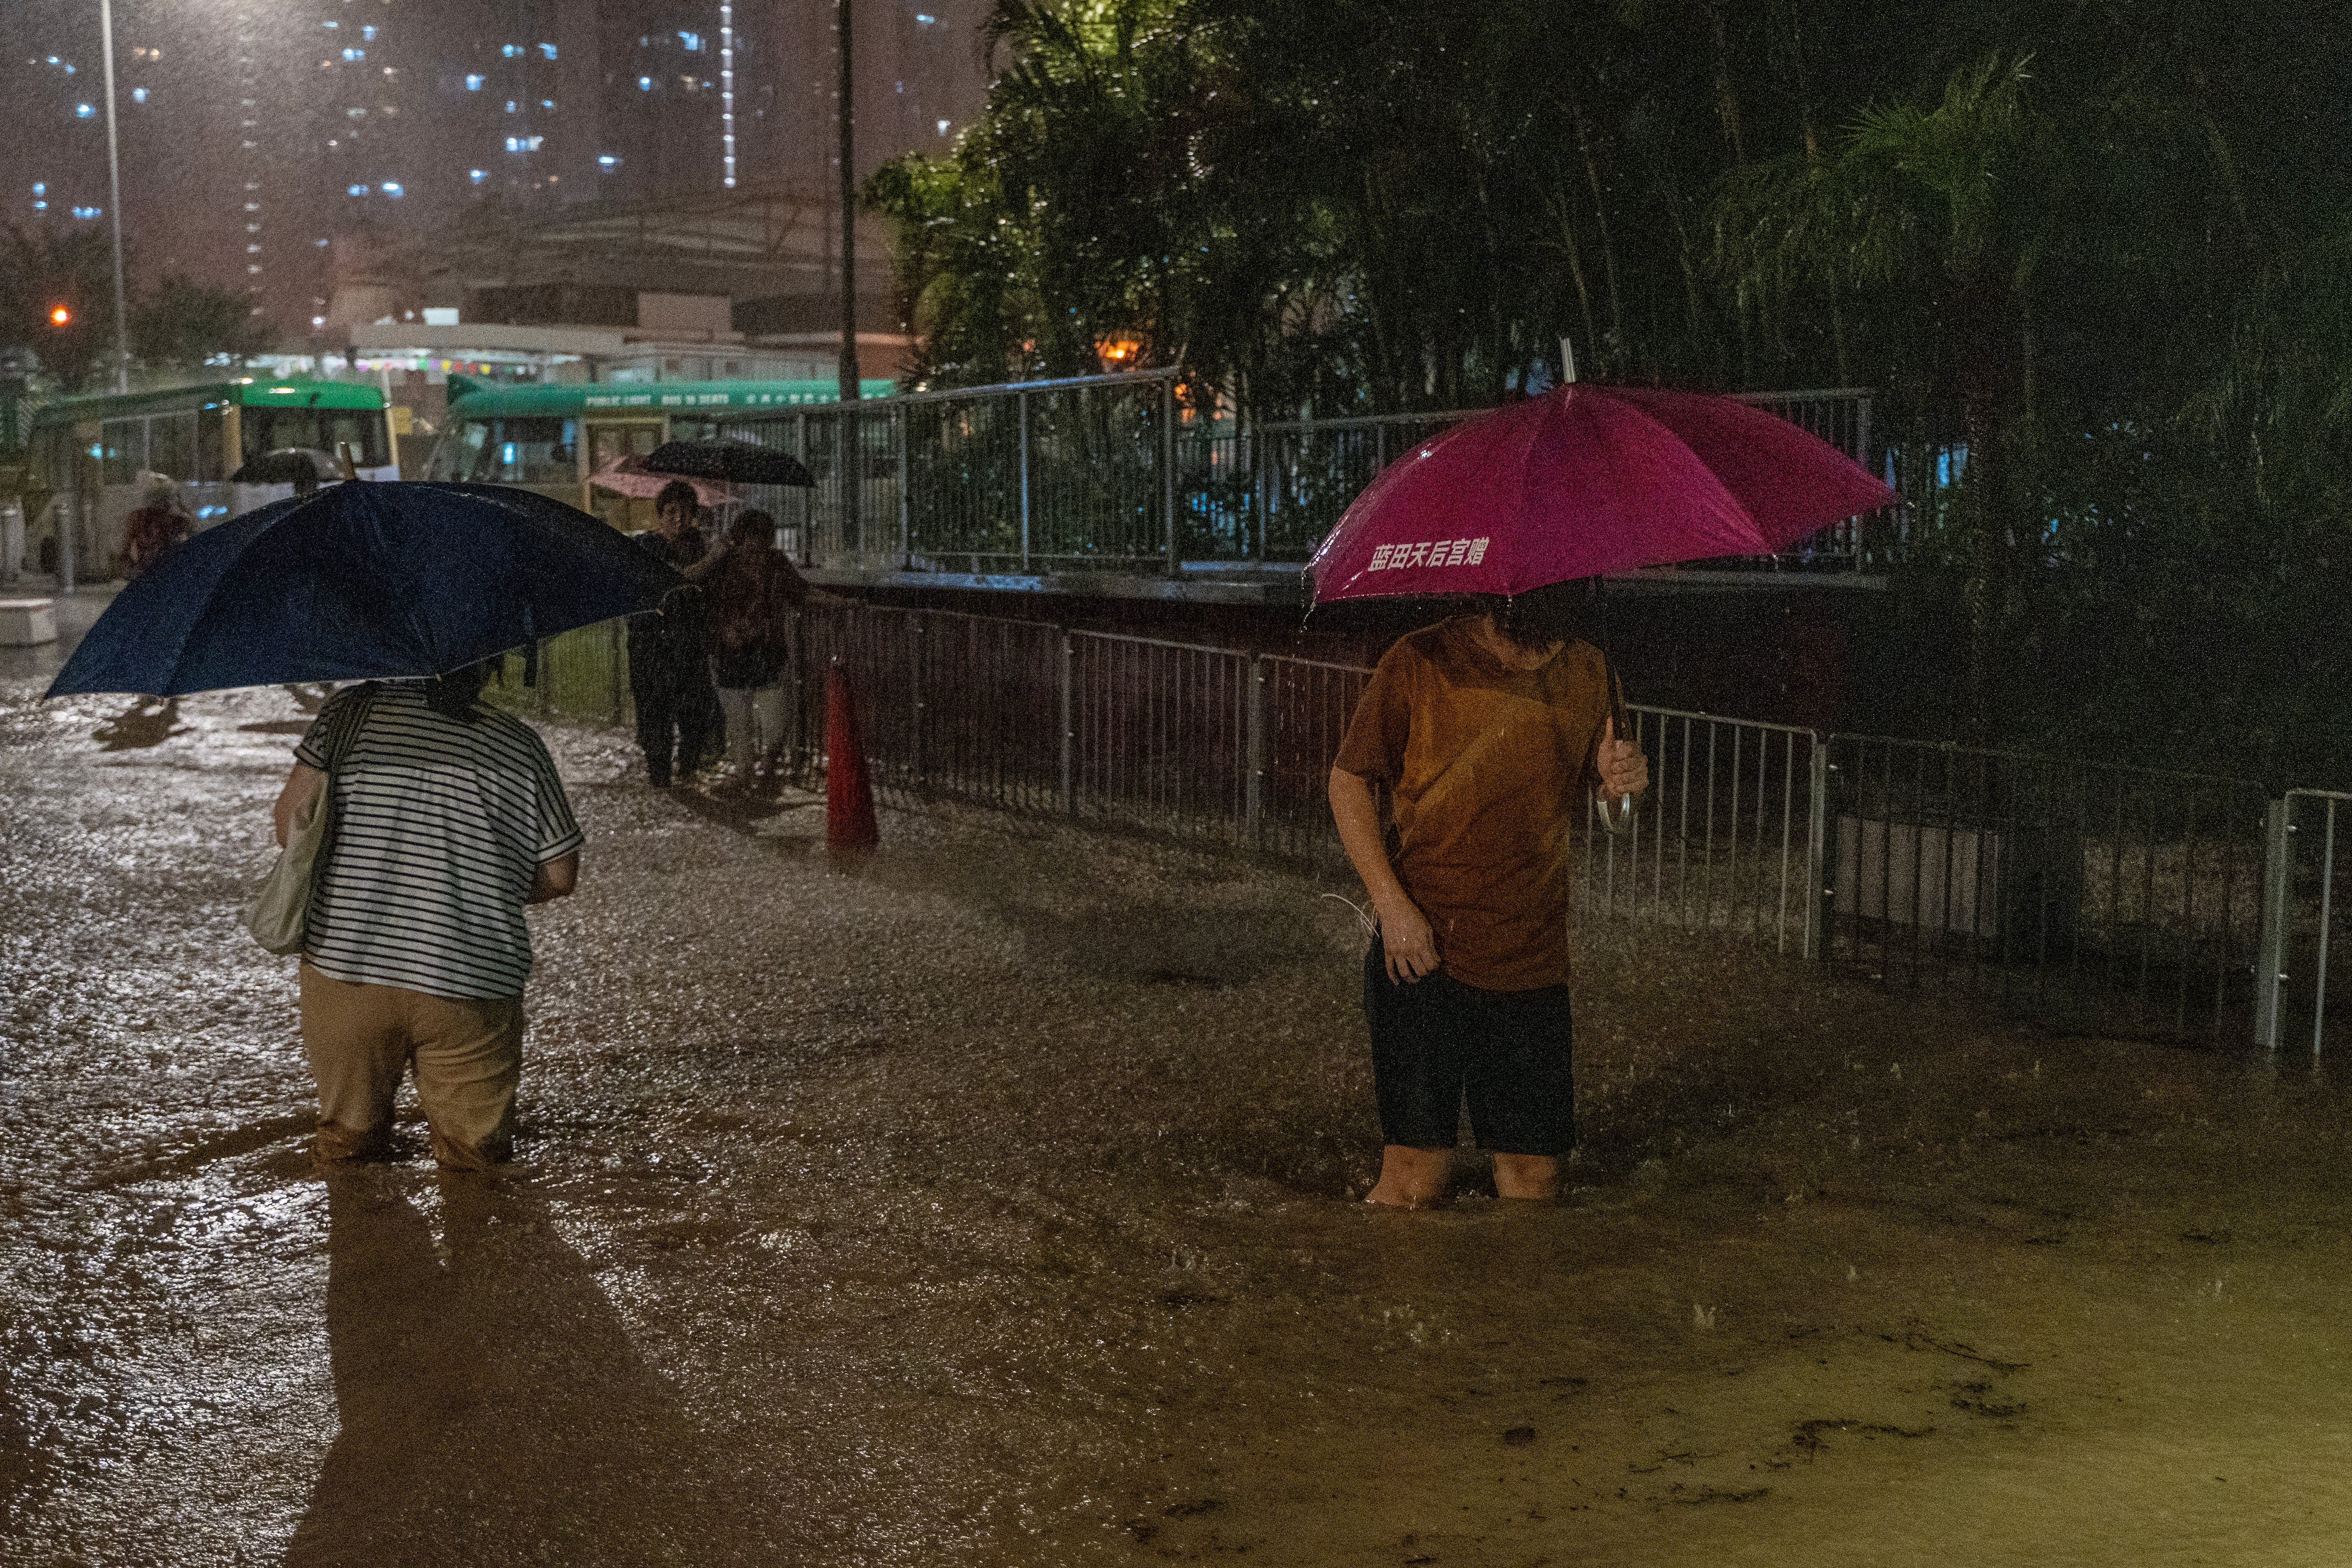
[(991, 1199)]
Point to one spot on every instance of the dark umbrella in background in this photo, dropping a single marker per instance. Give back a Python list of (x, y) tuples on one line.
[(363, 582), (729, 462)]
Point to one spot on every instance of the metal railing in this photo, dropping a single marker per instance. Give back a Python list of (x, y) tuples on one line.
[(2292, 969), (2106, 898), (1726, 838), (2120, 899), (1113, 473)]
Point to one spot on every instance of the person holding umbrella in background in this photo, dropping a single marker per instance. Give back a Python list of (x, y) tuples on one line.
[(747, 590), (679, 720)]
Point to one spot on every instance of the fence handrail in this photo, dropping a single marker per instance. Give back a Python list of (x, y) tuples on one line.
[(1365, 421), (1801, 393), (1806, 730), (1315, 663), (994, 389), (1955, 748), (1162, 642), (2317, 795)]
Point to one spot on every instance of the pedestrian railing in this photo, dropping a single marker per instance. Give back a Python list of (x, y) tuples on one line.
[(1114, 474), (2098, 897), (2292, 969), (2121, 899), (1723, 840)]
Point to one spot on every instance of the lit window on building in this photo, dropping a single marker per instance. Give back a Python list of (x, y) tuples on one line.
[(524, 143), (393, 188), (690, 42), (40, 187), (138, 95), (477, 176), (609, 162), (644, 84), (88, 212), (547, 103), (473, 83), (368, 32), (510, 50), (943, 127), (354, 54), (83, 111), (40, 206), (926, 21), (355, 190), (548, 50), (512, 107)]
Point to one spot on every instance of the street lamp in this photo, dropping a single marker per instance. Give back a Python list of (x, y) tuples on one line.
[(114, 204)]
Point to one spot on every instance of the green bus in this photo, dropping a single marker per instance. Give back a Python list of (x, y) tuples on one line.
[(552, 437), (90, 457)]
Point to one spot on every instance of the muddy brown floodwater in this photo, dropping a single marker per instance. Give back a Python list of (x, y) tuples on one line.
[(991, 1200)]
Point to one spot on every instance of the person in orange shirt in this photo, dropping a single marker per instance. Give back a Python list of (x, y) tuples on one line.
[(1486, 729)]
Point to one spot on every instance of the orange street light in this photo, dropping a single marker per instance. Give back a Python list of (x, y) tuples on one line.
[(61, 315)]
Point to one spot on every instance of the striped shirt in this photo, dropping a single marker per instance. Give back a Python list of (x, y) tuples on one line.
[(440, 828)]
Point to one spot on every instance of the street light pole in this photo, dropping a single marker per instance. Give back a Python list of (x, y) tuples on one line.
[(848, 223), (114, 203)]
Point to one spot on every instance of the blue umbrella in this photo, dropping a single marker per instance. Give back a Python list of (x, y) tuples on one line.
[(363, 581)]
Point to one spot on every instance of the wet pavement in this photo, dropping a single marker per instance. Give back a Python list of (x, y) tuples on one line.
[(990, 1199)]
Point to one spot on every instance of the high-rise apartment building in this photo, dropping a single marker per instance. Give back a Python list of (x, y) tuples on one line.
[(258, 134)]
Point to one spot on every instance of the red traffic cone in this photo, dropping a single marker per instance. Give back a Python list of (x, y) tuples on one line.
[(848, 793)]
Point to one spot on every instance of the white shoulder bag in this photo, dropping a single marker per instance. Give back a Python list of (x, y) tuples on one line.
[(280, 913)]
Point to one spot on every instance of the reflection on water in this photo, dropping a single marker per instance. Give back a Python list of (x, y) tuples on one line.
[(148, 721)]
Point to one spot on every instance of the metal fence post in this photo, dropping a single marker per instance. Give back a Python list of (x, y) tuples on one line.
[(1168, 468), (808, 496), (613, 630), (906, 536), (1817, 822), (1069, 733), (1254, 796), (2270, 956), (918, 678), (1022, 399)]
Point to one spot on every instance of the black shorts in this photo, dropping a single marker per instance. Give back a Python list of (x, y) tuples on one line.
[(1436, 1039)]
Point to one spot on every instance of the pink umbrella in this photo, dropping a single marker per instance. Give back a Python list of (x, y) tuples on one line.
[(627, 477), (1582, 482)]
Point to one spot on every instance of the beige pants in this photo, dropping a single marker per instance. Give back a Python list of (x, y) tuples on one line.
[(743, 705), (468, 1055)]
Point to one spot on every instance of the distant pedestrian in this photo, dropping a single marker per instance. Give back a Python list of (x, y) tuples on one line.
[(679, 721), (160, 520), (1486, 729), (449, 819), (747, 593)]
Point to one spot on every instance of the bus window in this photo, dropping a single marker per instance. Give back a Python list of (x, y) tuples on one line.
[(211, 435), (171, 444), (458, 454), (361, 429), (268, 429), (125, 442), (529, 452)]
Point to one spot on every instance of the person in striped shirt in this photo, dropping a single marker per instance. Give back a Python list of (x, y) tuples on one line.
[(449, 820)]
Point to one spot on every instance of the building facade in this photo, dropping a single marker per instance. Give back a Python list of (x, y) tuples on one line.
[(260, 137)]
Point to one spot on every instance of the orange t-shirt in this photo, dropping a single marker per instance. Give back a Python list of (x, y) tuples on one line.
[(1486, 766)]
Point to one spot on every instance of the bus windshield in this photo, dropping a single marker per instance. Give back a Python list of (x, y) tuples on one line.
[(266, 429)]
